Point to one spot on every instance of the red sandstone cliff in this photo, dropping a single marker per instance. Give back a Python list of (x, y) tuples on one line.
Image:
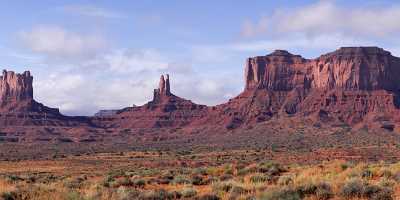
[(346, 85), (18, 108), (353, 85)]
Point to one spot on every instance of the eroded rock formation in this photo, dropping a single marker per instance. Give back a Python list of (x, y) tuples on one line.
[(349, 68), (18, 108), (165, 111), (352, 85), (15, 87), (348, 85)]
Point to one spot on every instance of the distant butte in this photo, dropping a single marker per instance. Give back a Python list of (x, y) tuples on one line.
[(357, 86)]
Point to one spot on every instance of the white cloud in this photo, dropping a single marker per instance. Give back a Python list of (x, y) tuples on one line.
[(330, 42), (92, 11), (325, 17), (135, 61), (57, 42), (123, 77)]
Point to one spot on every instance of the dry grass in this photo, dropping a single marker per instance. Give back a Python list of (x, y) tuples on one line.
[(152, 175)]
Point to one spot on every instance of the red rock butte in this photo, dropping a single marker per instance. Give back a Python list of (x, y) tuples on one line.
[(358, 86)]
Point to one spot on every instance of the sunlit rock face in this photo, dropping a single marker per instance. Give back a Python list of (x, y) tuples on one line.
[(348, 68), (15, 87)]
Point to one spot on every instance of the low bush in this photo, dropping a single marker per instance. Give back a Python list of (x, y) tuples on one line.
[(366, 173), (225, 186), (180, 180), (260, 178), (8, 196), (198, 180), (323, 191), (280, 194), (352, 188), (160, 194), (188, 192), (138, 183), (285, 180), (208, 197)]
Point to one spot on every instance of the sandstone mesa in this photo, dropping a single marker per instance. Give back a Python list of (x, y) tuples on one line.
[(358, 86)]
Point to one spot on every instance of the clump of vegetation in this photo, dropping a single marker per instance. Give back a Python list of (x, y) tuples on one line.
[(188, 192), (254, 179), (284, 193), (260, 178), (353, 188)]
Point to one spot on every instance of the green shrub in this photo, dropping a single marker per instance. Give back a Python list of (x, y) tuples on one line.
[(280, 194), (285, 180), (238, 189), (139, 183), (386, 183), (208, 197), (352, 188), (366, 173), (384, 194), (197, 180), (200, 171), (8, 196), (107, 181), (188, 192), (260, 178), (74, 183), (174, 195), (308, 188), (74, 196), (243, 172), (180, 180), (225, 186), (375, 192), (323, 191), (160, 194), (270, 168), (126, 193), (13, 178)]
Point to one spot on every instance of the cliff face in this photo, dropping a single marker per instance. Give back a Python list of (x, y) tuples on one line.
[(15, 87), (276, 71), (348, 84), (353, 85), (349, 68), (18, 108)]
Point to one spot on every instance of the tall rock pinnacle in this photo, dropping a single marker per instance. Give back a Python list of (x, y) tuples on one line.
[(163, 89), (167, 86), (15, 87)]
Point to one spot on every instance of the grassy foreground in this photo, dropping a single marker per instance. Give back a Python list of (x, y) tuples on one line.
[(152, 176)]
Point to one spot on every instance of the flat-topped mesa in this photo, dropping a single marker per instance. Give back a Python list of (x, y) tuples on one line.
[(348, 68), (274, 71), (357, 68), (15, 87), (163, 89)]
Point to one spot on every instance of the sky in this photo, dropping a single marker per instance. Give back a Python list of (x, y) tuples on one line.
[(92, 55)]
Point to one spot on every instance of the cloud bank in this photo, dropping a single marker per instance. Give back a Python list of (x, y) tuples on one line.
[(326, 17)]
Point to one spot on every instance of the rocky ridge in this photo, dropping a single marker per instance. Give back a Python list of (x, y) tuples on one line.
[(357, 86)]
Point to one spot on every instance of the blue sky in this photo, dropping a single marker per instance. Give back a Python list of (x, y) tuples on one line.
[(91, 55)]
